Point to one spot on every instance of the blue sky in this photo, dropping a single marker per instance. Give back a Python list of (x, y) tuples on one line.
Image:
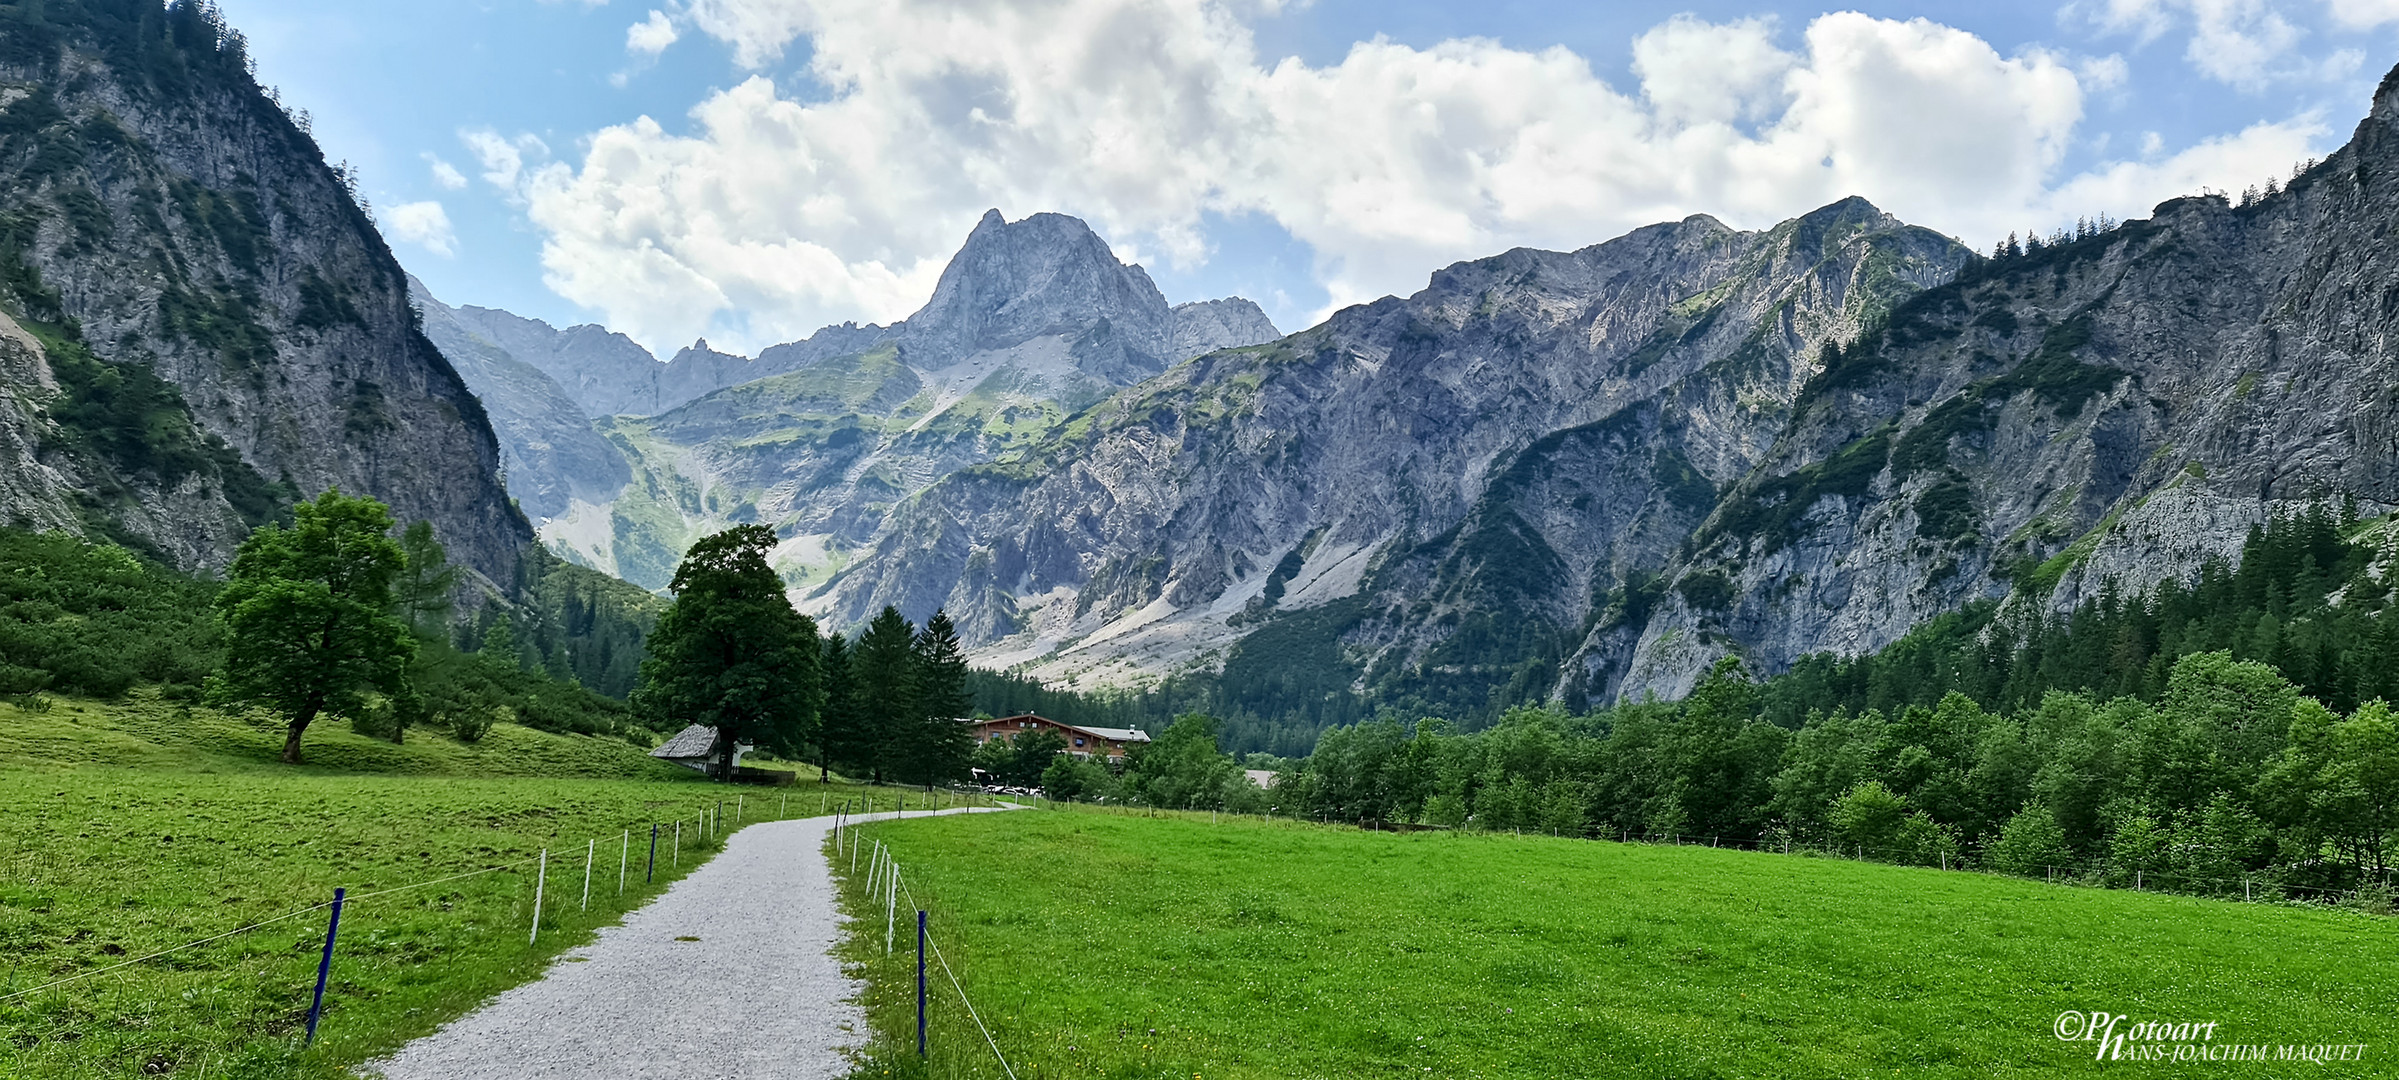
[(750, 169)]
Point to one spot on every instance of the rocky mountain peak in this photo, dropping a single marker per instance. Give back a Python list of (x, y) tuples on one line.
[(1048, 274), (1204, 326)]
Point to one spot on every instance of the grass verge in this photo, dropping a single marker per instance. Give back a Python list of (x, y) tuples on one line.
[(130, 827), (1108, 946)]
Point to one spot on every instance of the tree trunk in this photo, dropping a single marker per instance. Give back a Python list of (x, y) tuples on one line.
[(291, 740), (724, 756)]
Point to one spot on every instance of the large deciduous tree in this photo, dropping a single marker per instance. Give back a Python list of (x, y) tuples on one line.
[(732, 653), (308, 611)]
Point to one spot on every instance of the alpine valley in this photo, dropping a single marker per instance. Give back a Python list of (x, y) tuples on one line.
[(1583, 475)]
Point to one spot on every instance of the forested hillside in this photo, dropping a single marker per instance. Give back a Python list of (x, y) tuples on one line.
[(2144, 735), (97, 620)]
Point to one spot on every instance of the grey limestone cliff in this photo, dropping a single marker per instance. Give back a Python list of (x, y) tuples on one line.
[(2117, 409), (551, 455), (1031, 322), (1421, 492), (228, 328)]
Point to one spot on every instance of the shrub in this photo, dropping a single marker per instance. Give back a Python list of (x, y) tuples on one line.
[(2030, 843), (1868, 816)]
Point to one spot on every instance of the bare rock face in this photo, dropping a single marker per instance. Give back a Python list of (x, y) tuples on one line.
[(1591, 475), (604, 373), (551, 455), (167, 219), (34, 493), (1204, 326), (1419, 493), (1032, 321), (1048, 275), (2115, 410)]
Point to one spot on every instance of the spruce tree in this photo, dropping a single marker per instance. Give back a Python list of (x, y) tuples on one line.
[(842, 736), (936, 745), (883, 672)]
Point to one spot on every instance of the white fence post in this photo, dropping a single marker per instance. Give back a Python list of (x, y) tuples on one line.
[(540, 879), (590, 847), (624, 849)]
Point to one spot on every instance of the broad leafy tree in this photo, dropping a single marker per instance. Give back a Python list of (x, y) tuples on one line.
[(1181, 770), (732, 653), (308, 615)]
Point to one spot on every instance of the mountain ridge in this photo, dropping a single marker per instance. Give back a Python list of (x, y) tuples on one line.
[(215, 325), (1032, 321)]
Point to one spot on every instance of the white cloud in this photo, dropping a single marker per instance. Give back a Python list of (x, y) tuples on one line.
[(2363, 14), (1699, 72), (785, 208), (2225, 163), (2104, 72), (650, 36), (2244, 43), (503, 159), (444, 173), (424, 224)]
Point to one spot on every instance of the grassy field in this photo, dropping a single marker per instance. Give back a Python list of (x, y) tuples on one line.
[(1121, 947), (129, 827)]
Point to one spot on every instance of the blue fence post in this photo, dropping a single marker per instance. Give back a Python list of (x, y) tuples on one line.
[(920, 982), (316, 1007), (651, 874)]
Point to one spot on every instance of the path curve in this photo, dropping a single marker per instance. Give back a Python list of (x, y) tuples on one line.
[(758, 995)]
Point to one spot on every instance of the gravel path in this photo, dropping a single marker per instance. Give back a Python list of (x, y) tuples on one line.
[(758, 995)]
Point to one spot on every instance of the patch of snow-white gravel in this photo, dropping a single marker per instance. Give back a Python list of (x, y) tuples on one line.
[(759, 994)]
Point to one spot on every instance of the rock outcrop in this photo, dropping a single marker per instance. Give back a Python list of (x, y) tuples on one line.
[(227, 328), (1591, 475), (1419, 494), (1031, 322), (551, 455), (2116, 409)]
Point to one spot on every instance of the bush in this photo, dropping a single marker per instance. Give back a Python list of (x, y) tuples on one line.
[(1868, 816), (1925, 842), (1077, 780), (470, 725), (2030, 843), (95, 619)]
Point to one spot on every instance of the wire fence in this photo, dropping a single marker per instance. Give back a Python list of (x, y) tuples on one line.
[(663, 845), (886, 883)]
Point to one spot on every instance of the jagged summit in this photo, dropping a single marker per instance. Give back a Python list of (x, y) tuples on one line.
[(1045, 275), (1031, 321)]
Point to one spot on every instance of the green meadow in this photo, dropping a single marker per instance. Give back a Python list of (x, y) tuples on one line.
[(134, 826), (1103, 945)]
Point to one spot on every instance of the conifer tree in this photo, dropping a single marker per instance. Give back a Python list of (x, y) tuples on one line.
[(842, 736), (934, 746), (883, 673)]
